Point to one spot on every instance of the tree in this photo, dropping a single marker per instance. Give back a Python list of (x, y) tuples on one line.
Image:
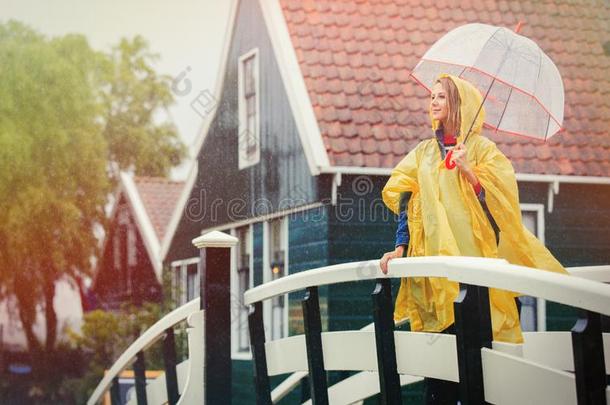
[(135, 95), (70, 117), (53, 181)]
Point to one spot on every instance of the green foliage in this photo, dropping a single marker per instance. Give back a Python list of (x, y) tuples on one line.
[(105, 335), (53, 181), (134, 94), (70, 118)]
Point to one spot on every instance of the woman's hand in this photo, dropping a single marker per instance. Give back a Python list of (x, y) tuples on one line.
[(398, 252), (460, 157)]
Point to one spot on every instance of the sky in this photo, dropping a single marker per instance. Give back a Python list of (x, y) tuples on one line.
[(187, 35)]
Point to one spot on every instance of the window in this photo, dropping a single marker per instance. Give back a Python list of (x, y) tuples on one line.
[(276, 245), (116, 250), (241, 284), (121, 249), (185, 280), (132, 252), (192, 282), (132, 255), (532, 314), (249, 107)]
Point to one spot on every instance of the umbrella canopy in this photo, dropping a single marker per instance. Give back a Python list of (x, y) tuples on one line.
[(522, 88)]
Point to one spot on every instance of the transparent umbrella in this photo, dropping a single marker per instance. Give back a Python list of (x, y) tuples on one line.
[(521, 87)]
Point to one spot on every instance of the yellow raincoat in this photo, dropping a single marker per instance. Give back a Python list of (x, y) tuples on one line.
[(445, 218)]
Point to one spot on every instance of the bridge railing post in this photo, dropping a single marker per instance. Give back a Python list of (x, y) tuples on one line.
[(472, 332), (215, 293), (169, 361), (115, 392), (139, 371), (259, 359), (313, 342), (589, 366), (389, 380)]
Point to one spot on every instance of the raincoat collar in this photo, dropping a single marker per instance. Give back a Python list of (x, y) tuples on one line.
[(470, 101)]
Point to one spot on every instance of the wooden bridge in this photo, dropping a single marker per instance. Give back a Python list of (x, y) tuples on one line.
[(548, 368)]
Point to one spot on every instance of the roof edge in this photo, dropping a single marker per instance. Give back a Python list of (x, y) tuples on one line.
[(151, 242), (525, 177), (174, 221)]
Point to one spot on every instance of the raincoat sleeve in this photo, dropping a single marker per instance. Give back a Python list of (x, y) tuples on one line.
[(403, 179), (402, 231), (517, 244)]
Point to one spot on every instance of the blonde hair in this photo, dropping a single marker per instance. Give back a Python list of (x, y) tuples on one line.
[(453, 121)]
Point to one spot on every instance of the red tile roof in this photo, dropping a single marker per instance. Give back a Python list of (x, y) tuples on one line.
[(159, 197), (356, 56)]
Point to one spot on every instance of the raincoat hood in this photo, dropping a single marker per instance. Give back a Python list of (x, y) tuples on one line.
[(470, 102)]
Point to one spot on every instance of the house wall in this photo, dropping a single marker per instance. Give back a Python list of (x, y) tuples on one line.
[(361, 228), (577, 232), (111, 285), (223, 194), (308, 249)]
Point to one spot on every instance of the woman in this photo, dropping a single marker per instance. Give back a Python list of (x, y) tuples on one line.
[(460, 212)]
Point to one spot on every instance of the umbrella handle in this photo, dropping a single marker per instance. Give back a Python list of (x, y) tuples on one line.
[(448, 163)]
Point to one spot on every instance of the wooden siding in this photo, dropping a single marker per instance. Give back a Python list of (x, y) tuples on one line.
[(307, 249), (223, 194), (110, 287), (577, 232), (360, 228)]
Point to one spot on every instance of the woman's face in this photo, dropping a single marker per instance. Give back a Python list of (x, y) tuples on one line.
[(438, 103)]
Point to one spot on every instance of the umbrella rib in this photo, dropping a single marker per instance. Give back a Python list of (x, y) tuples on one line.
[(492, 36), (538, 77), (505, 107), (479, 110), (462, 72)]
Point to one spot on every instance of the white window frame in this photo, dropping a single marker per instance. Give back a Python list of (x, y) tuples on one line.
[(181, 266), (540, 303), (267, 275), (235, 353), (242, 162)]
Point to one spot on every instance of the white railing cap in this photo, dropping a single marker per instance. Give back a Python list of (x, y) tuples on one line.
[(493, 273), (150, 336), (215, 239), (597, 273)]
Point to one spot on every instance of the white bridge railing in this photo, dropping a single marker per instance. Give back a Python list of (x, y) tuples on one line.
[(541, 367), (549, 367), (189, 370)]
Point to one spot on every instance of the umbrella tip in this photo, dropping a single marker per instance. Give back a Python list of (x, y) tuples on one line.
[(520, 25)]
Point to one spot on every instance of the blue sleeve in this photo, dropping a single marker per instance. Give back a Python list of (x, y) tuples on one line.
[(402, 233)]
